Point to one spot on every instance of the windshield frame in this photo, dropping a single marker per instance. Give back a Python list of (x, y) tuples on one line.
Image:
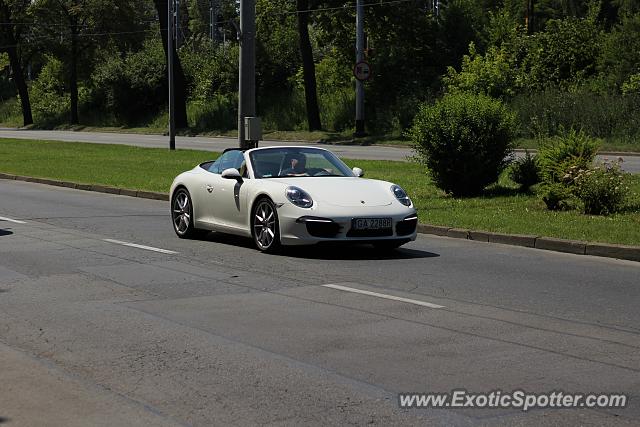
[(328, 155)]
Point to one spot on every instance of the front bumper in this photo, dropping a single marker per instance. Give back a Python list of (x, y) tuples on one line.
[(296, 229)]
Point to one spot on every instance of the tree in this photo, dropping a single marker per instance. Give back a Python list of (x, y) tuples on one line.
[(73, 30), (179, 82), (308, 66), (10, 37)]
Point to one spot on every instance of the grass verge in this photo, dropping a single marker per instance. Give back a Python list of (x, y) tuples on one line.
[(503, 209)]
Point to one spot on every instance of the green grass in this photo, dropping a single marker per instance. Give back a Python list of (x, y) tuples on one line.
[(503, 209), (608, 145), (151, 169)]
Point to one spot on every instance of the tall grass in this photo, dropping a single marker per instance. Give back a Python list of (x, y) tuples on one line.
[(217, 114), (546, 113), (10, 113)]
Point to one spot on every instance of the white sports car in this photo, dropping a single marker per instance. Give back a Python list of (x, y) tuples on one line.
[(290, 196)]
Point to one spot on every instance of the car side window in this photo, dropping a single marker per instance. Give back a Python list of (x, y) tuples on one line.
[(230, 159)]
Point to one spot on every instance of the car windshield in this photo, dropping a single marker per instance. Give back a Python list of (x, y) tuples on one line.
[(297, 162)]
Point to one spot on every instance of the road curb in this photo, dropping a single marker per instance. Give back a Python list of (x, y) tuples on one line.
[(630, 253), (89, 187)]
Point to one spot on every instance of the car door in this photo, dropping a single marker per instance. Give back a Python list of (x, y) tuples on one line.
[(230, 195), (209, 183)]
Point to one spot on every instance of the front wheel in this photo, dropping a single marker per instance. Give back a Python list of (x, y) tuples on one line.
[(264, 226), (182, 214)]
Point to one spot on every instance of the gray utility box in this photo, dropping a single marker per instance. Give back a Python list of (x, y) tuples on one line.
[(252, 128)]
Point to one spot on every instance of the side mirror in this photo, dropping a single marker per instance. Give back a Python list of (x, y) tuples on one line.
[(231, 173), (358, 172)]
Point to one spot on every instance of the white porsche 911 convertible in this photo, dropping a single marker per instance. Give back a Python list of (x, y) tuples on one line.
[(290, 196)]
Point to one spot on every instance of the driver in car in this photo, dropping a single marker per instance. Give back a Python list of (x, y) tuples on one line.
[(298, 166)]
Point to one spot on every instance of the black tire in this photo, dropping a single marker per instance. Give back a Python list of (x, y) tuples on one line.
[(182, 215), (265, 227), (388, 245)]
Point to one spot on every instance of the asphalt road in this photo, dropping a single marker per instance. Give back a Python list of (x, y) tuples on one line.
[(373, 152), (94, 332)]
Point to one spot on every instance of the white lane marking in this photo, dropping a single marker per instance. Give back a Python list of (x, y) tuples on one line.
[(385, 296), (135, 245), (2, 218)]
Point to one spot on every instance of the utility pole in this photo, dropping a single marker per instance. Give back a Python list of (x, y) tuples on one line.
[(529, 16), (359, 58), (177, 23), (247, 72), (172, 110), (211, 19), (214, 12)]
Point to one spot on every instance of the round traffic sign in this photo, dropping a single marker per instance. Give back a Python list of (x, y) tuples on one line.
[(362, 71)]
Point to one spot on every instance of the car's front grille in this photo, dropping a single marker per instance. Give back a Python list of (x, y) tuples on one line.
[(407, 226), (323, 229)]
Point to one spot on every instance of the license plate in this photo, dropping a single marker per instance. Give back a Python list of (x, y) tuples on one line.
[(370, 223)]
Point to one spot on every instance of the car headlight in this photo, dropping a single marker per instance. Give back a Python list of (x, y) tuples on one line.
[(401, 195), (299, 197)]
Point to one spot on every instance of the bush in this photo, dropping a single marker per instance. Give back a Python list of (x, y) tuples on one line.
[(525, 171), (219, 113), (602, 189), (48, 99), (559, 154), (557, 196), (134, 86), (465, 140), (209, 70)]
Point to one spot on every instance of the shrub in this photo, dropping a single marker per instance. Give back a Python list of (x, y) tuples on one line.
[(559, 154), (209, 70), (134, 86), (218, 113), (465, 140), (525, 171), (557, 196), (48, 99), (602, 189)]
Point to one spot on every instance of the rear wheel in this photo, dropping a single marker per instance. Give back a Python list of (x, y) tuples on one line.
[(264, 226), (182, 214)]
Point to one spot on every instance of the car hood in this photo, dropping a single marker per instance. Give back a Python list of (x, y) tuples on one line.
[(344, 191)]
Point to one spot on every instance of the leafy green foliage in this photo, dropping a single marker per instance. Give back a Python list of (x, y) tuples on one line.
[(557, 155), (48, 99), (211, 70), (603, 189), (491, 74), (525, 171), (632, 86), (601, 115), (137, 75), (464, 139), (557, 196), (218, 113), (566, 52), (620, 52)]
